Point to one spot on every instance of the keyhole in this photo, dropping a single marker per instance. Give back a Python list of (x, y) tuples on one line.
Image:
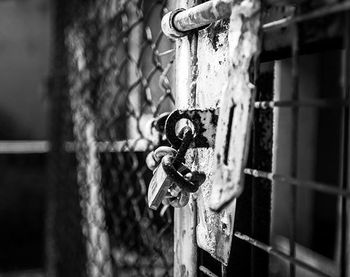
[(228, 134)]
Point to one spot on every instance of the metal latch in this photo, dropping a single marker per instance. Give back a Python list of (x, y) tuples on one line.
[(172, 181), (204, 122), (178, 23)]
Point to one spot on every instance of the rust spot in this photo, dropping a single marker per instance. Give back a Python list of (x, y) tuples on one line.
[(224, 227), (183, 271), (215, 30)]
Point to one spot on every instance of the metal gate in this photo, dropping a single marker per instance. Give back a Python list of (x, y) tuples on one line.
[(114, 72)]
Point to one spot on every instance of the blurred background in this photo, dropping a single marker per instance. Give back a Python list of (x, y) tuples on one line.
[(25, 28)]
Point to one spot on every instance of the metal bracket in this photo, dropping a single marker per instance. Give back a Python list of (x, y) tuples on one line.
[(180, 22), (168, 26), (204, 124)]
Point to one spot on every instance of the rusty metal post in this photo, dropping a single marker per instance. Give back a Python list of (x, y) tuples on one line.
[(185, 220), (207, 81)]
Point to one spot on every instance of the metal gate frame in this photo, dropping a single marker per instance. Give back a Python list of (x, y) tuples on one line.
[(253, 208), (255, 202)]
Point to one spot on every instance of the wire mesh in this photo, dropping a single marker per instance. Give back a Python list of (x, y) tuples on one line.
[(119, 74), (120, 79)]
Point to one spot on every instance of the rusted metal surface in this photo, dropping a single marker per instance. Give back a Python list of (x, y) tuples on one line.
[(168, 26), (177, 23), (204, 123), (202, 15), (170, 175), (213, 229), (185, 248), (237, 105), (277, 33)]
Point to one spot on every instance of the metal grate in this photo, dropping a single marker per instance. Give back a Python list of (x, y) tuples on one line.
[(338, 266)]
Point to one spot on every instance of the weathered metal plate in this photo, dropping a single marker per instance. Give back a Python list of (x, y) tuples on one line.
[(185, 248), (237, 105), (223, 82), (158, 187), (213, 66)]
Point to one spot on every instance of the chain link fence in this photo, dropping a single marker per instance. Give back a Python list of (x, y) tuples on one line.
[(116, 66)]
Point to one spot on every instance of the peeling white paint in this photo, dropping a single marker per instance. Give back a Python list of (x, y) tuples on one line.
[(223, 60)]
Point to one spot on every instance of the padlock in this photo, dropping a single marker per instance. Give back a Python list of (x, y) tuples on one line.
[(161, 182)]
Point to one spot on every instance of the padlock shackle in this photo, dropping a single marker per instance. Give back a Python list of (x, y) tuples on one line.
[(204, 123), (179, 179)]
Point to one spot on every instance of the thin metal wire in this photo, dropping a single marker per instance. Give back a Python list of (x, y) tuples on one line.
[(308, 103), (318, 13), (207, 272), (294, 150), (321, 187), (274, 252)]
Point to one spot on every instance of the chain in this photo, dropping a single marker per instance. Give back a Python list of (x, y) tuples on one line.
[(184, 180), (194, 179)]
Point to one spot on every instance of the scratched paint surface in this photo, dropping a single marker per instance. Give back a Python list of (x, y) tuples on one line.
[(185, 251), (237, 105), (215, 63), (213, 229)]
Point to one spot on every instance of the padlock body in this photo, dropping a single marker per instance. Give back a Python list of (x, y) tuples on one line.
[(158, 187), (161, 182)]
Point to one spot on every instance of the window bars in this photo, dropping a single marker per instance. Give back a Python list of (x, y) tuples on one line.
[(295, 104)]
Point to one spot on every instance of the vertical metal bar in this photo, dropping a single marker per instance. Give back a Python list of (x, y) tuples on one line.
[(185, 219), (223, 270), (261, 158), (344, 203), (134, 53), (294, 157), (254, 188), (65, 244), (86, 122)]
